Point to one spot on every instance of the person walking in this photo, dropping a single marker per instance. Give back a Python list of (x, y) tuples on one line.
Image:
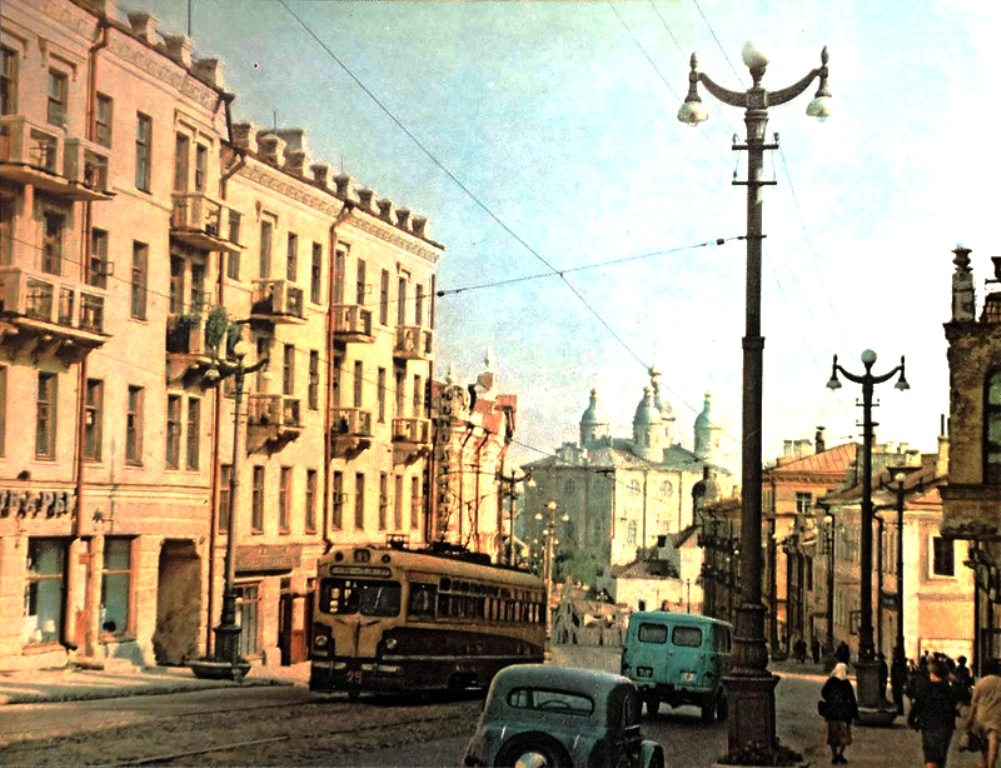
[(815, 650), (933, 713), (840, 711), (842, 653), (984, 717)]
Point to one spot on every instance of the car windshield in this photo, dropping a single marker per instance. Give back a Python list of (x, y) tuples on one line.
[(369, 598)]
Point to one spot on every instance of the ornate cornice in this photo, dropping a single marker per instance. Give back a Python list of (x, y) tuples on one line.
[(279, 182), (163, 69), (391, 236)]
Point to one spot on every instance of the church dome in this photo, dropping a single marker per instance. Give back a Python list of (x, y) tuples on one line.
[(703, 420), (595, 413), (647, 411)]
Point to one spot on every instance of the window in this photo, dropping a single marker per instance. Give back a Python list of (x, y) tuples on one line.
[(401, 302), (175, 305), (201, 167), (93, 419), (284, 499), (225, 499), (383, 500), (631, 532), (804, 503), (315, 270), (140, 261), (360, 502), (313, 392), (419, 305), (401, 394), (8, 81), (292, 257), (58, 90), (992, 429), (418, 396), (6, 229), (381, 392), (337, 508), (358, 384), (247, 599), (197, 300), (310, 511), (335, 384), (134, 426), (398, 503), (384, 298), (43, 603), (943, 556), (45, 416), (194, 432), (264, 259), (233, 265), (340, 264), (182, 152), (98, 268), (257, 501), (102, 120), (144, 151), (360, 284), (652, 633), (3, 410), (52, 242), (415, 502), (686, 637), (173, 431), (288, 369), (116, 585), (434, 288)]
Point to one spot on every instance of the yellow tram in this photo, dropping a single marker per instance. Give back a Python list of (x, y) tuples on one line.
[(393, 620)]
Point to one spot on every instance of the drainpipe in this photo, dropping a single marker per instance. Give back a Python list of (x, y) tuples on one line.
[(70, 628), (344, 214)]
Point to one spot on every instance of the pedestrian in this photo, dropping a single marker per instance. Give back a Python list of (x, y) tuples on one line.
[(884, 674), (801, 651), (962, 681), (843, 654), (840, 709), (815, 650), (898, 679), (984, 717), (934, 714)]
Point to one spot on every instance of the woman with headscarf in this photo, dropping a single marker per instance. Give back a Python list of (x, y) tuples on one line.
[(841, 708)]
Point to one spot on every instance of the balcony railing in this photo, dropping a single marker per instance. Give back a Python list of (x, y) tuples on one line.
[(413, 342), (71, 310), (40, 155), (350, 422), (277, 300), (279, 411), (204, 223), (353, 323), (185, 335), (412, 430)]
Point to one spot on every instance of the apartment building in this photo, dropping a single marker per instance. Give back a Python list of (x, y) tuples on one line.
[(161, 268)]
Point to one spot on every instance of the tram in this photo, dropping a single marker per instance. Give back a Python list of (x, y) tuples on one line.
[(392, 620)]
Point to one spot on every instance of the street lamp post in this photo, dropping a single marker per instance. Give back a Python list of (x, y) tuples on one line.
[(750, 686), (548, 555), (829, 546), (509, 483), (898, 667), (874, 709), (226, 661)]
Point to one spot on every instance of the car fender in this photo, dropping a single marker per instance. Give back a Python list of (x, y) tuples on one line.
[(651, 754)]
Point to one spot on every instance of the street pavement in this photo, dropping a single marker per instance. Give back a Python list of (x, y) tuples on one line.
[(797, 723)]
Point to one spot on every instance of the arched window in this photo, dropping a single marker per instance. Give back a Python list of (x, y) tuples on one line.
[(992, 428)]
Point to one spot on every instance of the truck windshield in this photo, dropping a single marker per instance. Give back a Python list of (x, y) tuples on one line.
[(369, 598)]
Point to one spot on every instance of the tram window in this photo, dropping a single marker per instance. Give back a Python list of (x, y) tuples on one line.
[(380, 599), (422, 599), (370, 598)]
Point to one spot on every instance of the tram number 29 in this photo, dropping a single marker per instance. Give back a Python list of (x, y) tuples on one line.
[(354, 677)]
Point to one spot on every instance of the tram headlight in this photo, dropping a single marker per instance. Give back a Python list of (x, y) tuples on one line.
[(391, 644)]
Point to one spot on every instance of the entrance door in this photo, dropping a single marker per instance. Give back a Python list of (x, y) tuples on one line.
[(178, 603), (293, 637)]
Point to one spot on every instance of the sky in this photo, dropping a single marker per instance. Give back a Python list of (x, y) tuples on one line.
[(541, 137)]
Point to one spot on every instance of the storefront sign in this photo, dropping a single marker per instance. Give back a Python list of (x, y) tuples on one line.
[(34, 503)]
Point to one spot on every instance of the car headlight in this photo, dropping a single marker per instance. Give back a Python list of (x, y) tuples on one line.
[(391, 644)]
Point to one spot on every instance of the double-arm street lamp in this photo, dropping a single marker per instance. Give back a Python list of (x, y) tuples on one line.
[(750, 686), (509, 488), (226, 661), (875, 710)]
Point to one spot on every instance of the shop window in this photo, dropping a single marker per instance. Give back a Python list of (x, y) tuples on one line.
[(43, 604), (116, 586), (247, 601)]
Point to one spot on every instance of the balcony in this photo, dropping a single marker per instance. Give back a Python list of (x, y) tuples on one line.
[(352, 324), (277, 301), (350, 430), (413, 342), (187, 356), (411, 439), (44, 313), (40, 155), (201, 222), (272, 421)]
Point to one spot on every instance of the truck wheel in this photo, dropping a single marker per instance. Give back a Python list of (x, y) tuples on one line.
[(533, 749)]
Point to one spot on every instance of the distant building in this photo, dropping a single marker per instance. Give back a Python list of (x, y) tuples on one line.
[(617, 498)]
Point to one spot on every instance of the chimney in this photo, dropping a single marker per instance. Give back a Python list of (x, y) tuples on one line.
[(419, 223), (270, 147), (365, 196), (179, 48), (295, 161), (209, 70), (963, 295), (106, 7), (144, 26), (386, 209), (242, 132), (294, 138), (343, 186), (403, 218), (819, 441), (321, 172)]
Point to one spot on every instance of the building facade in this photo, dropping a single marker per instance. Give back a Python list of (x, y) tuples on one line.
[(151, 251)]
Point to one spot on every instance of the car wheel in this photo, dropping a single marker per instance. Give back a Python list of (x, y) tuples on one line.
[(708, 710), (722, 708), (652, 705), (533, 751)]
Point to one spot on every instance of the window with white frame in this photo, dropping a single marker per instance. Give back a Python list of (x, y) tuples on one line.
[(58, 96)]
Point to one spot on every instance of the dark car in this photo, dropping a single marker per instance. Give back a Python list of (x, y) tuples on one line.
[(544, 716)]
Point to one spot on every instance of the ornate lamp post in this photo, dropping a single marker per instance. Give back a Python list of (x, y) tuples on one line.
[(226, 661), (874, 709), (829, 549), (898, 667), (750, 686), (508, 486)]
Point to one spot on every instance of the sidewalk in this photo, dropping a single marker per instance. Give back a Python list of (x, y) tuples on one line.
[(78, 683)]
